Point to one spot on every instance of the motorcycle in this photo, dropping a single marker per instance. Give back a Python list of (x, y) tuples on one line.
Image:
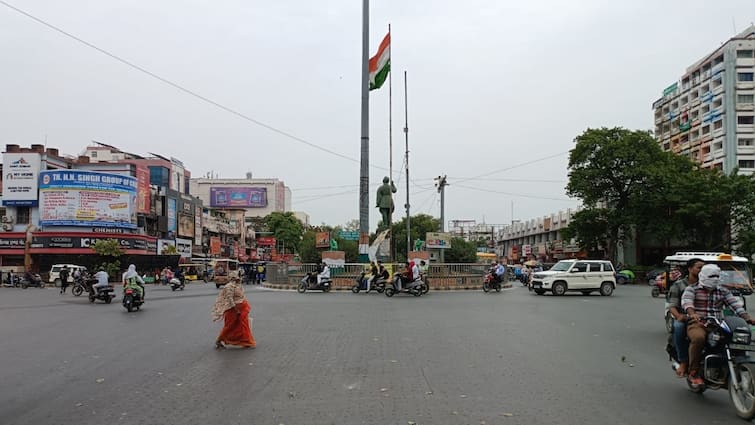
[(35, 280), (310, 282), (361, 284), (80, 285), (131, 299), (13, 282), (491, 283), (727, 363), (416, 288), (177, 283)]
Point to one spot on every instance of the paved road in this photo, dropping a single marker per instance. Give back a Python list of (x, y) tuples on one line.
[(340, 358)]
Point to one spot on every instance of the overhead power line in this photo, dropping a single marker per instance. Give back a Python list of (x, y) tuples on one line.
[(180, 87), (512, 194)]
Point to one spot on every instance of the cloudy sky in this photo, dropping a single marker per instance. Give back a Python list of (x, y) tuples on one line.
[(497, 89)]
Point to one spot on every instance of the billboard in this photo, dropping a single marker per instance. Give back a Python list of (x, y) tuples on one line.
[(87, 198), (215, 245), (242, 197), (435, 240), (142, 189), (183, 246), (172, 219), (322, 240), (198, 226), (20, 178), (185, 225)]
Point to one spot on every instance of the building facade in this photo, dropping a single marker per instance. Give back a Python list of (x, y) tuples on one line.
[(709, 114), (538, 238)]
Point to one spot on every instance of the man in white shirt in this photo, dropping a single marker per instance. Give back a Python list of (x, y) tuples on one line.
[(324, 274), (102, 281)]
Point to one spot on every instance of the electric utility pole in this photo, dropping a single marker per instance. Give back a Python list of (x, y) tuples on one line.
[(440, 183)]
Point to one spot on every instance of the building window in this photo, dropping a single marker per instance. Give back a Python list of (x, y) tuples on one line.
[(744, 54), (745, 98), (718, 124), (94, 154), (745, 120), (22, 215), (744, 142), (747, 163), (744, 76)]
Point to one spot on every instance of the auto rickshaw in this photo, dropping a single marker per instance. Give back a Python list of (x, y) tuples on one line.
[(224, 270), (193, 271)]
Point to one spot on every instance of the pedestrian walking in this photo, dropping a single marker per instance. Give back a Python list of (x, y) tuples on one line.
[(64, 279), (260, 273), (232, 306), (253, 274)]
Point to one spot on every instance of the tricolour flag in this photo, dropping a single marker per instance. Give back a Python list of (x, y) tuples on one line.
[(380, 64)]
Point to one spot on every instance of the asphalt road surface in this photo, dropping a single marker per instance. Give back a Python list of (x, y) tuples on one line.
[(340, 358)]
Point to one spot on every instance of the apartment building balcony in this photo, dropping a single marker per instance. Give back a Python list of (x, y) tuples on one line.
[(745, 85), (743, 62), (745, 106)]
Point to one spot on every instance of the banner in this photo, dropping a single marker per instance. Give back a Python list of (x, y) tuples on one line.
[(20, 178), (243, 197), (214, 245), (172, 219), (435, 240), (322, 240), (185, 225), (142, 189), (87, 198), (162, 244), (198, 226)]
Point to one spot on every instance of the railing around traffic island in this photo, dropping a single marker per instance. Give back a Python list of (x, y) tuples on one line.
[(439, 276)]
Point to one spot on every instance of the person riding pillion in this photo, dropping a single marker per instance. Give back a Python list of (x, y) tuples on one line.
[(703, 300), (132, 280), (324, 273)]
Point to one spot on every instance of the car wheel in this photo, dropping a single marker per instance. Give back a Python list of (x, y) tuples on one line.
[(606, 289), (559, 288)]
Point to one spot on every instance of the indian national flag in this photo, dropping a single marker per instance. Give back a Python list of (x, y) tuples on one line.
[(380, 64)]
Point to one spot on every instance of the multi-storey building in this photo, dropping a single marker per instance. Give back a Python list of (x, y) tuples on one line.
[(538, 238), (708, 115)]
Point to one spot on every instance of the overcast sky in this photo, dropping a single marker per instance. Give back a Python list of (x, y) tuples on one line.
[(493, 85)]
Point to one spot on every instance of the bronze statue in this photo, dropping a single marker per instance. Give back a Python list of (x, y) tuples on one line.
[(385, 200)]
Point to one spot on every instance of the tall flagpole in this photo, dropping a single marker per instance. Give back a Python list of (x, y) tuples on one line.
[(406, 137), (364, 163), (390, 136)]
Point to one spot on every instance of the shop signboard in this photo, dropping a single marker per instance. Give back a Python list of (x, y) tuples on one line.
[(185, 225), (163, 244), (243, 197), (20, 178), (142, 190), (87, 198), (198, 226), (183, 246), (214, 245), (172, 218)]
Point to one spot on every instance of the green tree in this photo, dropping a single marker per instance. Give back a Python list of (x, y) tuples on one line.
[(461, 251), (420, 224), (109, 252), (613, 169), (286, 228)]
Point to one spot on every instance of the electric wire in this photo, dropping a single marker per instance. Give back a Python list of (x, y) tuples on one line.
[(182, 88), (518, 195)]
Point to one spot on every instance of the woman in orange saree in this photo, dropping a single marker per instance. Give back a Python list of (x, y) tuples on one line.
[(233, 307)]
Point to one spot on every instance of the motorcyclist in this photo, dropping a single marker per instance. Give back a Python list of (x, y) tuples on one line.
[(324, 273), (497, 271), (374, 275), (674, 300), (179, 274), (102, 281), (703, 300), (132, 280)]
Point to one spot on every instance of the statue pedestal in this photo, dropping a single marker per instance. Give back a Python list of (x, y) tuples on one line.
[(417, 256)]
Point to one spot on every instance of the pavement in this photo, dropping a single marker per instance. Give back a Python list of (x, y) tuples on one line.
[(461, 357)]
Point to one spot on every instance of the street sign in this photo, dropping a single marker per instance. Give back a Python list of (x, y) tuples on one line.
[(348, 235)]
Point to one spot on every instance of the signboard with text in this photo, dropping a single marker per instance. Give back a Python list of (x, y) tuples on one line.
[(87, 198), (20, 178), (434, 240)]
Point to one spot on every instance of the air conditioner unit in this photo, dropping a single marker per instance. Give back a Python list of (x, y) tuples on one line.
[(7, 219), (7, 227)]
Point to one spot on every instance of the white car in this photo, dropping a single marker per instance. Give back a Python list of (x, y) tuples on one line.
[(55, 272), (583, 276)]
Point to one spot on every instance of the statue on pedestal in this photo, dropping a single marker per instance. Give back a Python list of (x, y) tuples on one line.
[(385, 200)]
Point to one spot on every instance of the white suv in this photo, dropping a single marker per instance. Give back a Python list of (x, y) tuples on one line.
[(55, 272), (585, 276)]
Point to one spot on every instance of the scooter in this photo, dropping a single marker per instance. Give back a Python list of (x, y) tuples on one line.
[(361, 285), (36, 280), (310, 282), (416, 288), (131, 300), (176, 283), (105, 294)]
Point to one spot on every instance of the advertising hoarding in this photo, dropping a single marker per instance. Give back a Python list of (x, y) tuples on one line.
[(162, 244), (172, 218), (198, 226), (142, 189), (242, 197), (185, 225), (322, 240), (20, 178), (214, 245), (87, 198), (183, 246), (434, 240)]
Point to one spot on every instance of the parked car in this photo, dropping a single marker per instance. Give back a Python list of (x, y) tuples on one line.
[(583, 276), (55, 273)]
